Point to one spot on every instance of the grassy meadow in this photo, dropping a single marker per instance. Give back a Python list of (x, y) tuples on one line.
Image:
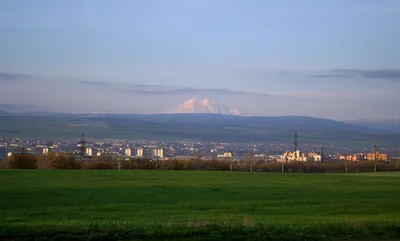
[(129, 205)]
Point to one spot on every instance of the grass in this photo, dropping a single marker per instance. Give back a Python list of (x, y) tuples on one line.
[(119, 205)]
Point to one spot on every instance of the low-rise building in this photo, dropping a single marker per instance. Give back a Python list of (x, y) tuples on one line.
[(362, 157), (348, 157), (295, 156), (228, 154), (377, 156), (314, 157)]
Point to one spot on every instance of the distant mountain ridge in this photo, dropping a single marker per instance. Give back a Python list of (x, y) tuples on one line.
[(23, 108), (205, 106), (196, 127), (393, 125)]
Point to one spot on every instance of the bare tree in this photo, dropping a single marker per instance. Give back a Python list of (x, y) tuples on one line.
[(249, 159)]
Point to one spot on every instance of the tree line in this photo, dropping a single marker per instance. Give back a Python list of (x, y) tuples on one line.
[(68, 161)]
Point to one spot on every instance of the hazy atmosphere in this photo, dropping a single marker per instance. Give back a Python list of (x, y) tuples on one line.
[(199, 120), (330, 59)]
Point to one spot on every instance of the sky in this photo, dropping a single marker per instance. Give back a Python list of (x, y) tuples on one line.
[(330, 59)]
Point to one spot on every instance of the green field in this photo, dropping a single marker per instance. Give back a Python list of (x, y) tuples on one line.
[(119, 205)]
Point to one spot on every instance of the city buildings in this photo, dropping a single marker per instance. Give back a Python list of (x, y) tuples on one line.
[(378, 156), (128, 152), (139, 152), (350, 157), (89, 151), (150, 152), (192, 149), (158, 152), (294, 156), (314, 157), (225, 155)]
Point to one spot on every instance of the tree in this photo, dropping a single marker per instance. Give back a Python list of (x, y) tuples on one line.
[(249, 159), (22, 161), (197, 154), (20, 150), (63, 161)]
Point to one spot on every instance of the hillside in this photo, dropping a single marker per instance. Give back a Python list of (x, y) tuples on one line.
[(202, 127)]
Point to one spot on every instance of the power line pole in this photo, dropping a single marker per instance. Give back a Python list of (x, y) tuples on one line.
[(295, 144), (82, 148), (251, 162), (233, 156), (322, 154), (282, 170), (375, 160)]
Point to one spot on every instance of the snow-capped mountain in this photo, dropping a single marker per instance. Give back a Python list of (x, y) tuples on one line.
[(206, 106)]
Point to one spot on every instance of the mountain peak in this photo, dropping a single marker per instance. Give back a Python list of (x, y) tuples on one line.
[(206, 106), (190, 102), (207, 101)]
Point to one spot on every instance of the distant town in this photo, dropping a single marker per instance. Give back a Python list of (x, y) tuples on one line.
[(165, 150)]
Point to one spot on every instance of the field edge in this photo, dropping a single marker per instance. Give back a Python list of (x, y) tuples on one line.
[(370, 231)]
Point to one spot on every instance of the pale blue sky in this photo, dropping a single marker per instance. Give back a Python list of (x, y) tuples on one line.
[(312, 51)]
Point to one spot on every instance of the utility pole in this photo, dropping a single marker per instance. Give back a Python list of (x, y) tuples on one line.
[(251, 162), (157, 160), (233, 156), (295, 146), (119, 164), (345, 164), (322, 154), (375, 160), (82, 148), (282, 170)]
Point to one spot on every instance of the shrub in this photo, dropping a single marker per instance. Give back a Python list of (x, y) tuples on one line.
[(3, 164), (217, 165), (59, 161), (99, 165), (174, 165), (144, 164), (194, 164), (22, 161), (272, 167)]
